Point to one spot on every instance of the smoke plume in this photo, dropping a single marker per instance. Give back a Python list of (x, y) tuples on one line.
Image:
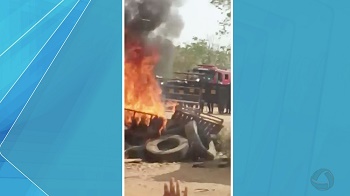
[(155, 22)]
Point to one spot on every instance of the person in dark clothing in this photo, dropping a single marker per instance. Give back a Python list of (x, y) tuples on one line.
[(201, 105), (222, 99), (210, 107), (228, 105), (221, 107)]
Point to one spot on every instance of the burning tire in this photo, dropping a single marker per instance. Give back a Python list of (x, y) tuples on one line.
[(167, 148)]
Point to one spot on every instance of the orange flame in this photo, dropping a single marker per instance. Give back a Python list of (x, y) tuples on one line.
[(141, 89)]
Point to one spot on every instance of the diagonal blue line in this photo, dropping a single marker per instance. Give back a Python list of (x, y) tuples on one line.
[(16, 99)]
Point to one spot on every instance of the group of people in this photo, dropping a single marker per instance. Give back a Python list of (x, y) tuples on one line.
[(226, 109), (223, 109), (221, 98)]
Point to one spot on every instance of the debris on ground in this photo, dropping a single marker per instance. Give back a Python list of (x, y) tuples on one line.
[(187, 136)]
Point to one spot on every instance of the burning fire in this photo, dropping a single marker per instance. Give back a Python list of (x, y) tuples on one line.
[(141, 88)]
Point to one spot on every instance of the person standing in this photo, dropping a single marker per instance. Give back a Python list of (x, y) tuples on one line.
[(228, 104)]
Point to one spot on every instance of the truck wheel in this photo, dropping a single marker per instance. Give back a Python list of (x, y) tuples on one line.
[(167, 148)]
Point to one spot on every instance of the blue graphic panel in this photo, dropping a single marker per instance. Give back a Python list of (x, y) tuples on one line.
[(290, 100), (18, 187), (29, 25), (12, 104), (68, 137), (26, 30), (17, 17)]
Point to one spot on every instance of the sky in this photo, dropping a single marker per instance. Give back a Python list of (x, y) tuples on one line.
[(201, 20)]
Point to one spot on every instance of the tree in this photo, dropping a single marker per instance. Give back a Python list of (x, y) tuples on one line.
[(225, 7), (201, 51), (204, 51)]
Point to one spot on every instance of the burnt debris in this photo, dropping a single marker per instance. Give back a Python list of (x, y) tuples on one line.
[(186, 137)]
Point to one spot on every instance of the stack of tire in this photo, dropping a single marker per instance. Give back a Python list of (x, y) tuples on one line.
[(178, 143)]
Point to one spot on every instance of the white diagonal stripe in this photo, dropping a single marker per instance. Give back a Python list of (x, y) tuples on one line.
[(14, 43)]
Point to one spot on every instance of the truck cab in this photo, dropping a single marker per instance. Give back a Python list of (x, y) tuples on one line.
[(214, 75)]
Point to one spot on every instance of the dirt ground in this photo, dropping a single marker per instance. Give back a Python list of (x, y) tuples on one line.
[(148, 179)]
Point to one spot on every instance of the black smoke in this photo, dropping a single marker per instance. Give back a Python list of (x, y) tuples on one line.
[(155, 22), (143, 17)]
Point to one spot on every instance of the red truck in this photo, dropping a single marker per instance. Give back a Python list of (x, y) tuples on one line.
[(217, 89), (204, 84), (213, 74)]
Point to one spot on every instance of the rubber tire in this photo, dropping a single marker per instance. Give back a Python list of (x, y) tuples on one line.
[(198, 149), (172, 155), (135, 152), (180, 130)]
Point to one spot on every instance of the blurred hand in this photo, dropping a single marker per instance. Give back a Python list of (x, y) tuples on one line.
[(174, 189)]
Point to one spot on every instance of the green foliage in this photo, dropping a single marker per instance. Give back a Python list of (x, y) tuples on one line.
[(201, 51), (225, 7)]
